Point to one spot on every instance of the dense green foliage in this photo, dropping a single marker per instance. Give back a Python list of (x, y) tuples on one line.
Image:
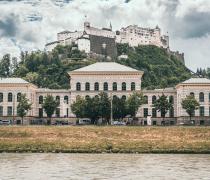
[(99, 107), (190, 104), (163, 105), (49, 105), (23, 106), (50, 70), (160, 69)]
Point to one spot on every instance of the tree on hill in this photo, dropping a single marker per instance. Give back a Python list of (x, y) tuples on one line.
[(5, 66), (49, 105), (50, 70), (23, 106), (161, 69), (163, 105), (190, 104)]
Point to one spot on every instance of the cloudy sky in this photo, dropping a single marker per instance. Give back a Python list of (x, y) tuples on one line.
[(30, 24)]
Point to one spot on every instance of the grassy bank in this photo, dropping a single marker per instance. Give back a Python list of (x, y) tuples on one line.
[(105, 139)]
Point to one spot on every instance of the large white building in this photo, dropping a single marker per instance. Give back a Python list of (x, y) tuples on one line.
[(133, 35), (116, 80)]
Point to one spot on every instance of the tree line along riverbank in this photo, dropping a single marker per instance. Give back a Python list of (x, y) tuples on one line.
[(109, 139)]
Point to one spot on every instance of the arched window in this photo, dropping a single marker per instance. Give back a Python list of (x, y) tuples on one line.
[(106, 86), (114, 86), (201, 97), (40, 99), (9, 97), (146, 99), (87, 86), (124, 97), (57, 98), (123, 86), (154, 98), (192, 94), (78, 86), (96, 86), (171, 99), (1, 97), (18, 97), (133, 86), (66, 99)]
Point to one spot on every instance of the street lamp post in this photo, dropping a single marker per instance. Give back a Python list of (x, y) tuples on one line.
[(111, 115)]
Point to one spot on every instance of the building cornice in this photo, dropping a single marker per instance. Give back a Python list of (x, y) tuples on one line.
[(192, 84), (106, 73)]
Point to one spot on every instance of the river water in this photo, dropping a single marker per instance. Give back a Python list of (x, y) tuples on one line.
[(104, 166)]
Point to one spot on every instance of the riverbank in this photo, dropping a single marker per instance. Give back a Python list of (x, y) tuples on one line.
[(93, 139)]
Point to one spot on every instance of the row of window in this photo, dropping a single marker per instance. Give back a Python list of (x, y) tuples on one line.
[(57, 98), (105, 86), (201, 96), (10, 97), (57, 112), (9, 111), (154, 113), (154, 98), (201, 111)]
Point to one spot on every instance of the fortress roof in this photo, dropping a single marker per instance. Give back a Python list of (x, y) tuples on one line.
[(106, 67)]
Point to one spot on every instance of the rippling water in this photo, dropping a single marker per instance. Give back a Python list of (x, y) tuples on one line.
[(104, 166)]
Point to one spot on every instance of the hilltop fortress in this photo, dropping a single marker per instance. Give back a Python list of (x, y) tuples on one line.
[(103, 41)]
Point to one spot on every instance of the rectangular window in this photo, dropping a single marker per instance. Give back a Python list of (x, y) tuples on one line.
[(57, 112), (154, 112), (209, 111), (1, 110), (67, 112), (1, 97), (40, 112), (202, 113), (145, 112), (171, 112), (9, 110)]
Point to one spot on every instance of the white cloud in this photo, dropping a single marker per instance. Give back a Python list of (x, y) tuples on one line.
[(185, 20)]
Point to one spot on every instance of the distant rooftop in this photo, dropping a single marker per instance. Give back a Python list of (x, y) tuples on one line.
[(13, 81), (106, 66), (197, 81)]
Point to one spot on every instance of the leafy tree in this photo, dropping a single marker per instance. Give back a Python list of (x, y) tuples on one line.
[(190, 104), (78, 107), (119, 108), (23, 106), (104, 106), (163, 105), (5, 66), (49, 105), (133, 103)]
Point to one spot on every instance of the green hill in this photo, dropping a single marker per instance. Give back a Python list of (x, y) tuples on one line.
[(50, 70), (160, 69)]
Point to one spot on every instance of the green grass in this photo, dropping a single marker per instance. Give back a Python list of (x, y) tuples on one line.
[(94, 139)]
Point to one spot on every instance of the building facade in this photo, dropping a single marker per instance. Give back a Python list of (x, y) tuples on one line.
[(103, 41), (114, 79), (135, 36)]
